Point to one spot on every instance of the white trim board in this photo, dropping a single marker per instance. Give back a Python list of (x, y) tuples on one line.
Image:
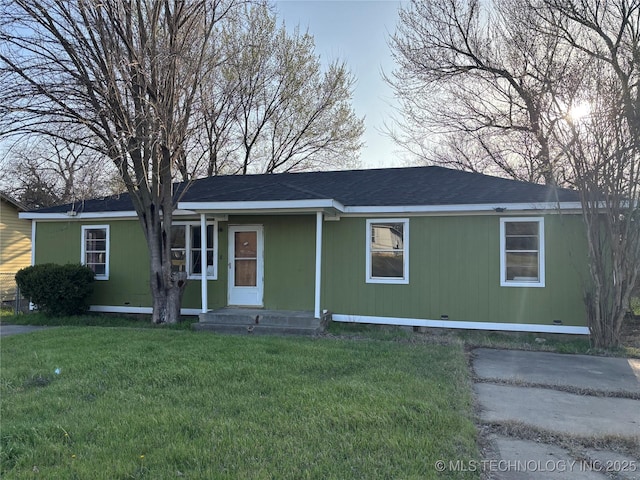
[(310, 205), (467, 208), (143, 310), (107, 215), (78, 215), (466, 325)]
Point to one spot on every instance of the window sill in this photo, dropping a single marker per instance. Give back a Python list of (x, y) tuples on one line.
[(199, 277), (389, 281), (522, 284)]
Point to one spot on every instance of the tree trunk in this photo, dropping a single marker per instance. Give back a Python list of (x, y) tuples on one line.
[(612, 278), (167, 287), (605, 325), (167, 296)]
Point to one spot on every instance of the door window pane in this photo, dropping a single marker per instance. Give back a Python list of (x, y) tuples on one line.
[(245, 273), (246, 244)]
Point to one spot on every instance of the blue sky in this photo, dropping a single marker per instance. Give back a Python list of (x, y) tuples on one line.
[(356, 31)]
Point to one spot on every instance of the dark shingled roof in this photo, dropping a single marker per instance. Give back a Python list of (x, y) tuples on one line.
[(378, 187)]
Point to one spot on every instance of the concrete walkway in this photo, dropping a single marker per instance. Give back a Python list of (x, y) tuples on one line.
[(576, 399), (6, 330)]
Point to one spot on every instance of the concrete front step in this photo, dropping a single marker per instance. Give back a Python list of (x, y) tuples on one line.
[(255, 329), (261, 322), (248, 316)]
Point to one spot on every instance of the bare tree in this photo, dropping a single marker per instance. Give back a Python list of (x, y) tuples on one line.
[(501, 80), (128, 72), (603, 149), (477, 83), (273, 108), (50, 171)]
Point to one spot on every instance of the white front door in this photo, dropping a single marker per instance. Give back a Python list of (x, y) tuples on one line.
[(246, 265)]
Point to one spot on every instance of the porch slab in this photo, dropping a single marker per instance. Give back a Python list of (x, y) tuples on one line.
[(261, 322)]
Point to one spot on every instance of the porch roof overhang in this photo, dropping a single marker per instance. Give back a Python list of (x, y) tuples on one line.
[(325, 205)]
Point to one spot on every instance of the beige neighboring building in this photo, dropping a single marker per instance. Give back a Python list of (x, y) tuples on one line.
[(15, 245)]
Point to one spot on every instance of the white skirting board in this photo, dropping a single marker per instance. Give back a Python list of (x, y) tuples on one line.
[(419, 322), (144, 310)]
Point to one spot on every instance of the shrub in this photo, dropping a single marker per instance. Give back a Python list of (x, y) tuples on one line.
[(57, 290)]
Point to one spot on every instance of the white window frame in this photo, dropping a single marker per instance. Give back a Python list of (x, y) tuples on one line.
[(503, 253), (83, 249), (188, 248), (405, 240)]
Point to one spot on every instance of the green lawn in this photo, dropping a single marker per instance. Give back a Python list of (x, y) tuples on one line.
[(157, 403)]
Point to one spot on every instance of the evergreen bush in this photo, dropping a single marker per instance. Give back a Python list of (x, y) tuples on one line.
[(57, 290)]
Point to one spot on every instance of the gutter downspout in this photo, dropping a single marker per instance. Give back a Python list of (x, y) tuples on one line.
[(318, 263)]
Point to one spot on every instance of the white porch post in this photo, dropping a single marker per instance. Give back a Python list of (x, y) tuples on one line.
[(318, 263), (33, 252), (203, 262), (33, 242)]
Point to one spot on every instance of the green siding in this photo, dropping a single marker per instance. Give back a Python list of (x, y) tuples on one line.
[(289, 259), (128, 283), (289, 263), (454, 264), (454, 270)]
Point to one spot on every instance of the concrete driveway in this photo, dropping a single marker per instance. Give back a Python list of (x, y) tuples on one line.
[(554, 416), (6, 330)]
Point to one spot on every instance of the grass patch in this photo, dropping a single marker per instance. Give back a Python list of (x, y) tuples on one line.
[(94, 320), (571, 344), (371, 331), (635, 306), (576, 344), (6, 312), (123, 403), (541, 342)]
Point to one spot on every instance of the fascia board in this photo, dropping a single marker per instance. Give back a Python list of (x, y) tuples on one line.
[(260, 206), (78, 215), (502, 207), (91, 215)]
